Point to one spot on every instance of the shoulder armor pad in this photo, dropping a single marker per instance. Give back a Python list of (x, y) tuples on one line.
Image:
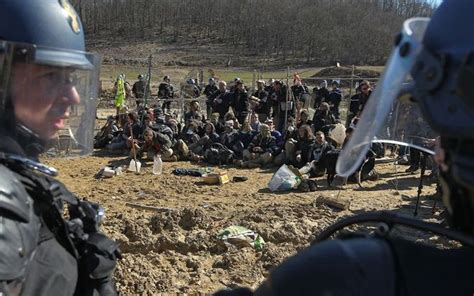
[(13, 196)]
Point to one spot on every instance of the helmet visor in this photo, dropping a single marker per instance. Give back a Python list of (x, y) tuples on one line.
[(382, 99), (52, 93)]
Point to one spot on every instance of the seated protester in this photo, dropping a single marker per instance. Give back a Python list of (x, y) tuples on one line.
[(367, 167), (302, 116), (304, 146), (261, 150), (156, 143), (276, 134), (288, 144), (323, 119), (106, 133), (194, 113), (221, 100), (243, 139), (254, 122), (209, 90), (263, 105), (229, 135), (316, 167), (335, 98), (188, 137), (124, 140), (240, 102), (218, 125), (197, 150)]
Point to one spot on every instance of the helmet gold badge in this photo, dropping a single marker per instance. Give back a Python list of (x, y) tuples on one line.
[(71, 15)]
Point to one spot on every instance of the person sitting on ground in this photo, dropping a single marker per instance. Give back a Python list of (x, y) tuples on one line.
[(196, 150), (155, 143), (261, 150), (124, 140), (302, 116), (304, 146), (228, 137), (254, 122), (189, 136), (243, 139), (106, 133), (323, 119), (194, 113), (316, 167)]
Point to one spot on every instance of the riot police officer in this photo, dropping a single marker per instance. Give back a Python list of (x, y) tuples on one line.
[(48, 84), (439, 55)]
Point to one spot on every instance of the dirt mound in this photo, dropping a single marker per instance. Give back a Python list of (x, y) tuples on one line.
[(344, 73)]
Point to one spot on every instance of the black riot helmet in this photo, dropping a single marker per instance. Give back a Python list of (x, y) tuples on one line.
[(426, 91), (48, 83)]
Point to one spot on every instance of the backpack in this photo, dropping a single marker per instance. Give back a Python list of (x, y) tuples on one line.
[(219, 154)]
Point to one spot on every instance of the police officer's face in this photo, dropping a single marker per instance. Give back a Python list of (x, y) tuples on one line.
[(42, 97)]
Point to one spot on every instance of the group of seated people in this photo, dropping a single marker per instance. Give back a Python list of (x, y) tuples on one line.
[(247, 140)]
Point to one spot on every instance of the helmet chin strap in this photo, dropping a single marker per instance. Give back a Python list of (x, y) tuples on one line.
[(31, 143)]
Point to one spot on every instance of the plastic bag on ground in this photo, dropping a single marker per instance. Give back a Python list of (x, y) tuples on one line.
[(284, 180), (241, 236)]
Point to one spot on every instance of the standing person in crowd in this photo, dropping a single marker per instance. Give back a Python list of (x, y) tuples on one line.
[(335, 98), (240, 102), (300, 91), (264, 105), (209, 90), (221, 100), (322, 94), (44, 251), (166, 93), (138, 89), (364, 95), (284, 109)]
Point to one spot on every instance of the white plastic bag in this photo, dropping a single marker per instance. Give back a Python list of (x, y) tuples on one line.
[(283, 180)]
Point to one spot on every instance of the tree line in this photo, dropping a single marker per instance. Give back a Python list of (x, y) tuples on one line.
[(310, 31)]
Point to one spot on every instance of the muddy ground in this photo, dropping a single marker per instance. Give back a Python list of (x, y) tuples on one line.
[(176, 250)]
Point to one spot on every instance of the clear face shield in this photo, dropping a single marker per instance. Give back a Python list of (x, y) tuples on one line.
[(52, 93), (387, 116)]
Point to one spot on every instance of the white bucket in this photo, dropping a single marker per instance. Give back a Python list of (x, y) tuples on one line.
[(134, 166)]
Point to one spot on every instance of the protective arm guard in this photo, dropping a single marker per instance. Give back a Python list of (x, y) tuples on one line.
[(19, 227)]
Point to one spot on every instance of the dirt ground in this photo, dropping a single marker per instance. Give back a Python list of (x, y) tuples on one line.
[(175, 250)]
